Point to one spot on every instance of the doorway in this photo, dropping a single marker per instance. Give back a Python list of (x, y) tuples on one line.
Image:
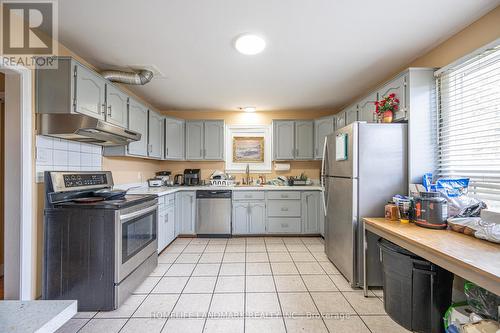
[(16, 182), (2, 173)]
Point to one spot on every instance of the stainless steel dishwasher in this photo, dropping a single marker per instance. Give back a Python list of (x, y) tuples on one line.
[(213, 213)]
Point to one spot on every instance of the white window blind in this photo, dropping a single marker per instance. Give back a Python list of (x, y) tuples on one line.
[(469, 124)]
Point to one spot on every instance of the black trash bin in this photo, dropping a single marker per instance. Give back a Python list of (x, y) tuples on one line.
[(416, 292)]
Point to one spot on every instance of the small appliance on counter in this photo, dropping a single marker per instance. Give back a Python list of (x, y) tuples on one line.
[(431, 210), (164, 176), (179, 179), (155, 182), (192, 177)]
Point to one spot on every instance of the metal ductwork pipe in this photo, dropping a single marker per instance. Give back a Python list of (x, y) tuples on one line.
[(139, 78)]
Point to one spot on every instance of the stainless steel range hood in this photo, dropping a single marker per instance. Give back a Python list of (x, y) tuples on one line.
[(81, 128)]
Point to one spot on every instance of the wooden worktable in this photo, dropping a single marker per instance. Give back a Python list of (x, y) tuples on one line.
[(473, 259)]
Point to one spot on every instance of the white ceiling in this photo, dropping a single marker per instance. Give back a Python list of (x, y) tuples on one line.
[(320, 53)]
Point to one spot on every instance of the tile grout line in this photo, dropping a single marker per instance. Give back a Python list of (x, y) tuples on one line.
[(215, 286), (187, 281), (308, 291), (276, 291), (343, 296)]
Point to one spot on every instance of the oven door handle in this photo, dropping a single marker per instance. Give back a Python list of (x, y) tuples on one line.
[(129, 216)]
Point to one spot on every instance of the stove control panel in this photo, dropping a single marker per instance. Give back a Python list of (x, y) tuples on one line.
[(64, 181), (76, 180)]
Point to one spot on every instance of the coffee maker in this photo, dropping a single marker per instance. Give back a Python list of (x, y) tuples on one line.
[(192, 177)]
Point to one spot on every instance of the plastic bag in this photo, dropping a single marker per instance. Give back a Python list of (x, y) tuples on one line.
[(482, 301), (455, 191)]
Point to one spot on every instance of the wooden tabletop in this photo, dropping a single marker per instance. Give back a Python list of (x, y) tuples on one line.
[(473, 259)]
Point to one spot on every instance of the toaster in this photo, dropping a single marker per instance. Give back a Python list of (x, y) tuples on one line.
[(155, 182)]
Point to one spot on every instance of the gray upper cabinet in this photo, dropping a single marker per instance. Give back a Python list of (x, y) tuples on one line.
[(322, 128), (283, 139), (214, 140), (304, 140), (205, 140), (293, 139), (194, 140), (174, 139), (155, 135), (340, 120), (398, 87), (351, 114), (138, 122), (116, 106), (90, 92), (366, 108)]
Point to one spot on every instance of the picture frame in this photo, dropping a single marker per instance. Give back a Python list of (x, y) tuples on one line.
[(248, 149)]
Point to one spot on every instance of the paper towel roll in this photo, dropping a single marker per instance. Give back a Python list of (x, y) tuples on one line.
[(281, 166)]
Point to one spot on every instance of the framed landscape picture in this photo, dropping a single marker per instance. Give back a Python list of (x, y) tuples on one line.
[(248, 149)]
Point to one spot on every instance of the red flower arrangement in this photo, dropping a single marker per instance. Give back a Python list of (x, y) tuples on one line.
[(388, 104)]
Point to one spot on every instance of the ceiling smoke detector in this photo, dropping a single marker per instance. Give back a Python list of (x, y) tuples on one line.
[(250, 44)]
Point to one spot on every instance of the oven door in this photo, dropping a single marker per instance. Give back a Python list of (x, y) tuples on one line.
[(136, 237)]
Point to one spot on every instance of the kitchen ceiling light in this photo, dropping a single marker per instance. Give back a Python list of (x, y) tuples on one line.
[(249, 109), (249, 44)]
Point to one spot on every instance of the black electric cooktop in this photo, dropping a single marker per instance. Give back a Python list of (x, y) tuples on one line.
[(127, 201)]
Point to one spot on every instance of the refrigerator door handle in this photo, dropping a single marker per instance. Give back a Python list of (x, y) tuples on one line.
[(323, 176)]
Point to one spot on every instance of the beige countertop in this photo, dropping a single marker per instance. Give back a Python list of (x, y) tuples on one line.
[(473, 259), (164, 190)]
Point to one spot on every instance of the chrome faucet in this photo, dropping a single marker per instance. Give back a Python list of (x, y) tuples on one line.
[(247, 171)]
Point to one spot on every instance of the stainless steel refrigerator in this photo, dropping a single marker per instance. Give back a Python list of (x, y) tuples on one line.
[(363, 166)]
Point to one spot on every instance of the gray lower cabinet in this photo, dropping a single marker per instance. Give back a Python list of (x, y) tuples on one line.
[(304, 140), (116, 106), (366, 108), (138, 122), (205, 140), (166, 221), (155, 135), (284, 139), (311, 212), (185, 214), (249, 217), (174, 139), (322, 128), (398, 87), (257, 217)]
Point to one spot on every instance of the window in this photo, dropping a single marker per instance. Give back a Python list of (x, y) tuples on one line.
[(469, 123)]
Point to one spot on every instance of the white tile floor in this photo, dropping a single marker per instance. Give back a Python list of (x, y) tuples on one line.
[(255, 284)]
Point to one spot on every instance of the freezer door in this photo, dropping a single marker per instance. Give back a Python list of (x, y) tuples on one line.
[(349, 167), (341, 225)]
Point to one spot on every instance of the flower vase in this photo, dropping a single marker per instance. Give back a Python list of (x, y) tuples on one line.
[(387, 117)]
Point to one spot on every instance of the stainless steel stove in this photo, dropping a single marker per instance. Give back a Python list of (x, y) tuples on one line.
[(99, 243)]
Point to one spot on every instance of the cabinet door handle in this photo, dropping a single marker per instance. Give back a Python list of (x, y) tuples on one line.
[(167, 151), (284, 196), (284, 209), (103, 109), (109, 111)]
